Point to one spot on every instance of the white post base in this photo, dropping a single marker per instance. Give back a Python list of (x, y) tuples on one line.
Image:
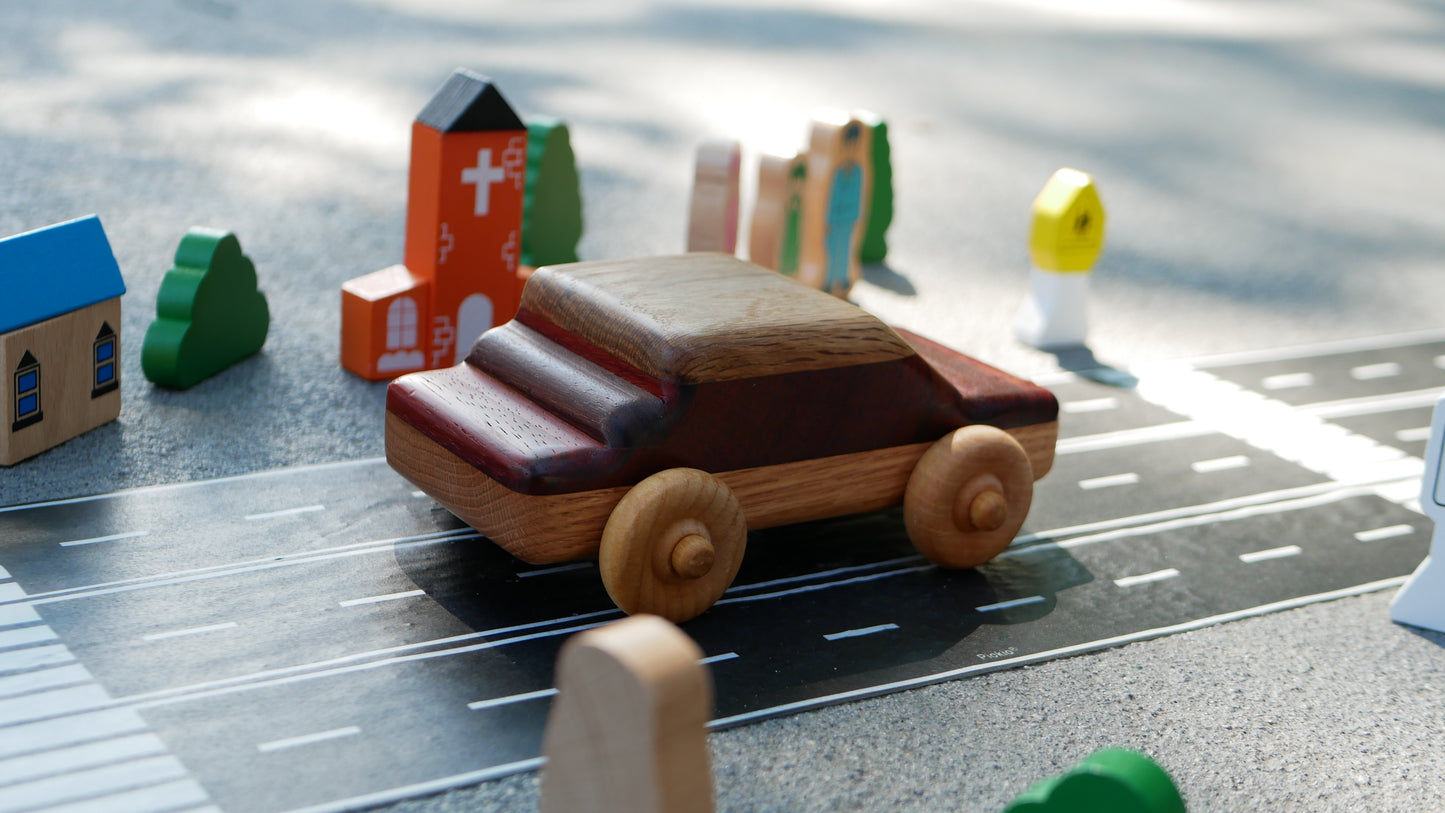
[(1054, 315), (1421, 602)]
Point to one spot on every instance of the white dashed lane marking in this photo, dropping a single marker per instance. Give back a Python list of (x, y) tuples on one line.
[(1370, 372), (1389, 532), (861, 631), (1005, 605), (308, 739), (1238, 461), (1272, 553), (1414, 435), (547, 571), (289, 512), (1109, 481), (354, 602), (1146, 578), (161, 636), (111, 538), (1090, 405), (1288, 381), (510, 699)]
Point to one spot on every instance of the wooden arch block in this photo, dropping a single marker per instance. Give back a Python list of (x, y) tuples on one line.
[(627, 733), (713, 215)]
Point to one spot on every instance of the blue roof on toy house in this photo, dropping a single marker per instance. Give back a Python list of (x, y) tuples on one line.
[(55, 270)]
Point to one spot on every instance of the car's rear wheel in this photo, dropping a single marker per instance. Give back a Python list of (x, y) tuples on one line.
[(673, 544), (968, 496)]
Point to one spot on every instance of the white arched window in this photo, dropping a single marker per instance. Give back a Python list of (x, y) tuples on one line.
[(401, 322)]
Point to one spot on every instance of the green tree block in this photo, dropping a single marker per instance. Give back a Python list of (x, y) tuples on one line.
[(552, 205), (1113, 780), (880, 206), (209, 312)]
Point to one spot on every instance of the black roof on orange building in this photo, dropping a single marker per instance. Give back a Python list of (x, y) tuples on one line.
[(467, 103)]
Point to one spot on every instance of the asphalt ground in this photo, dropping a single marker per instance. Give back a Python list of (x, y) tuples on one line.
[(1272, 173)]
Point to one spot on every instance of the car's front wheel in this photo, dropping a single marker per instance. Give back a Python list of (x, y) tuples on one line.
[(968, 496), (673, 544)]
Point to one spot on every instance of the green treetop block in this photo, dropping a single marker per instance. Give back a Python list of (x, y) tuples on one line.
[(209, 312)]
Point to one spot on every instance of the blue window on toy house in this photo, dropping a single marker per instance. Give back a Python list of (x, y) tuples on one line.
[(103, 359), (27, 393)]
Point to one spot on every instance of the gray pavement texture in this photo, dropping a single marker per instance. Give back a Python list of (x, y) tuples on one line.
[(1273, 173)]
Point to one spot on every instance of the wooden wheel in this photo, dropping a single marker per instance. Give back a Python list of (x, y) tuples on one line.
[(968, 496), (673, 544)]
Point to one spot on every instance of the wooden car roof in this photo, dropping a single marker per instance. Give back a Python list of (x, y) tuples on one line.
[(707, 317)]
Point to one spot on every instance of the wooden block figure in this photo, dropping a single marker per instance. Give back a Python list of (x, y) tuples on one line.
[(209, 312), (880, 204), (1114, 780), (60, 290), (778, 213), (1066, 238), (1421, 602), (836, 195), (627, 733), (552, 207), (713, 216), (463, 239)]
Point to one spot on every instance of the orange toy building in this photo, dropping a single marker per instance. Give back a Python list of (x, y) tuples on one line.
[(463, 237)]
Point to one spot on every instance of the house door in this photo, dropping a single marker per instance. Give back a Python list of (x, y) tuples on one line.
[(474, 319)]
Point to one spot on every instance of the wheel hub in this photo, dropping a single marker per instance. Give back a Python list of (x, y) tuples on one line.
[(692, 556)]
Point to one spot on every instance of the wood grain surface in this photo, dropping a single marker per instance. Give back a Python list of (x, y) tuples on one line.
[(627, 733), (563, 527), (754, 323)]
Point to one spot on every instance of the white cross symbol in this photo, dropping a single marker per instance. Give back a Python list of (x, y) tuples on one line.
[(484, 175)]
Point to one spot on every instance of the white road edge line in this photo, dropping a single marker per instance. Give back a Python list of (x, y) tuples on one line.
[(1053, 654), (255, 475), (111, 538), (1389, 532), (161, 636), (349, 662), (288, 512), (354, 602), (1146, 578), (858, 633), (1413, 435), (479, 705), (1273, 553), (383, 797), (377, 546), (308, 739), (1373, 404)]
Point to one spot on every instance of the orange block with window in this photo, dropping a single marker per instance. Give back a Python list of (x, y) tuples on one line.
[(463, 238)]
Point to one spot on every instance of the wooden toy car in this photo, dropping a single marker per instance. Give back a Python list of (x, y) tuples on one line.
[(649, 412)]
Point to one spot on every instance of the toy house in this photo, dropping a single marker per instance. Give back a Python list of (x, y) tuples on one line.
[(59, 336), (463, 239)]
